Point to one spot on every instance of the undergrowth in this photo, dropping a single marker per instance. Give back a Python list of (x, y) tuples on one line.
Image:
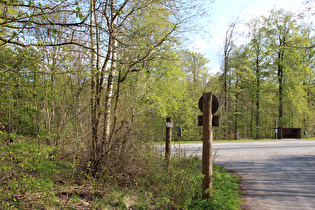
[(29, 174), (34, 176), (179, 186)]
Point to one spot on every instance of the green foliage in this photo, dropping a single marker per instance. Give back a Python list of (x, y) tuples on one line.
[(20, 90), (29, 174), (269, 78), (164, 90), (168, 89)]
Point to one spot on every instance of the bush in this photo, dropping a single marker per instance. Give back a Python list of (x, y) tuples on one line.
[(174, 187), (179, 187)]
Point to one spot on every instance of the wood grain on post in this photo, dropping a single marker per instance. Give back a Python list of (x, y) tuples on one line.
[(168, 141), (207, 146)]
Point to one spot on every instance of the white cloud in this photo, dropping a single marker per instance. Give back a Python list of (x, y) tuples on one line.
[(199, 45)]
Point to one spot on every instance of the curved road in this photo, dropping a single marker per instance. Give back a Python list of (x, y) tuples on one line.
[(276, 174)]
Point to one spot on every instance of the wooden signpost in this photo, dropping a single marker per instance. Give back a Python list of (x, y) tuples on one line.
[(208, 104)]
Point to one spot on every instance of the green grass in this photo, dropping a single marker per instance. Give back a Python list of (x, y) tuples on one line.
[(225, 192), (29, 175)]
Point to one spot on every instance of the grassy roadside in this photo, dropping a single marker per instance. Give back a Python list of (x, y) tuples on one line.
[(241, 140), (36, 176), (190, 142)]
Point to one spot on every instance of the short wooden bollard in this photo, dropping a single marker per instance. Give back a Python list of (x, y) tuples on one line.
[(169, 126)]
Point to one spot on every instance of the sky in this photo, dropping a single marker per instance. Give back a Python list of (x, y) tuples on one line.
[(224, 12)]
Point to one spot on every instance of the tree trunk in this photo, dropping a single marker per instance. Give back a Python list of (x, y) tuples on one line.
[(236, 117), (280, 80), (107, 142), (94, 120), (257, 96)]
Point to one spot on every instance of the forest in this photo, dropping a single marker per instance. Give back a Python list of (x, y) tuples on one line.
[(97, 79)]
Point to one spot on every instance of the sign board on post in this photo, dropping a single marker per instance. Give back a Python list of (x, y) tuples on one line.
[(215, 120), (215, 104), (169, 124), (179, 131)]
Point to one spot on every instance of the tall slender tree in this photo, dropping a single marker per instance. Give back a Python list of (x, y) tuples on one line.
[(227, 50), (259, 64)]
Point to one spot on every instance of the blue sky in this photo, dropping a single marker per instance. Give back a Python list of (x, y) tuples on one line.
[(225, 11)]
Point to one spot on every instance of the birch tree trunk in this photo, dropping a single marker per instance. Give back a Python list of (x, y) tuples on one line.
[(107, 143)]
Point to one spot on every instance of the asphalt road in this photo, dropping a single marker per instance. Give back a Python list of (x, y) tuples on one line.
[(275, 174)]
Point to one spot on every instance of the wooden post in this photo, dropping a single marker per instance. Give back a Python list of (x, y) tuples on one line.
[(169, 126), (207, 146)]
